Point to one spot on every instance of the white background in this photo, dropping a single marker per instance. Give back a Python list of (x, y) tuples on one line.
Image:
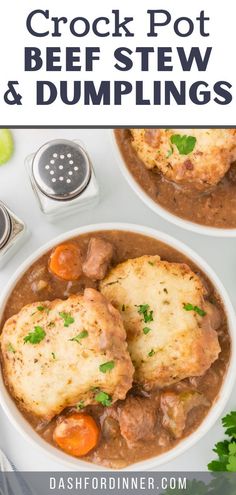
[(118, 203), (14, 37)]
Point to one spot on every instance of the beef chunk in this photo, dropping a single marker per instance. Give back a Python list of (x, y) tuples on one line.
[(98, 259), (152, 137), (175, 408), (138, 419)]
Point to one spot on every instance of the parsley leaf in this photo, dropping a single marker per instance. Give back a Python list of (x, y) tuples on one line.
[(95, 389), (226, 450), (170, 152), (81, 335), (184, 144), (191, 307), (80, 405), (221, 448), (216, 466), (68, 319), (146, 330), (144, 309), (43, 308), (229, 422), (151, 353), (107, 366), (10, 348), (40, 308), (53, 355), (231, 466), (104, 398), (36, 336)]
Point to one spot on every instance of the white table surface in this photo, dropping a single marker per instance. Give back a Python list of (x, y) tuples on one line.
[(118, 203)]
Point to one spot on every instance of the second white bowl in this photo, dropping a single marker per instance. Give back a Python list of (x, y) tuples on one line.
[(158, 209)]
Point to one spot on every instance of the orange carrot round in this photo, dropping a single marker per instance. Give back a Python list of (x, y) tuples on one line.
[(65, 261), (77, 434)]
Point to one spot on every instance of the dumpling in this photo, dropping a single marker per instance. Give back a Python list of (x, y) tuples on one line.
[(60, 353), (169, 332), (197, 157)]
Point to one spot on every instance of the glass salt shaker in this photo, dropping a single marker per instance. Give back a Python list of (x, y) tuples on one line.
[(12, 233), (62, 178)]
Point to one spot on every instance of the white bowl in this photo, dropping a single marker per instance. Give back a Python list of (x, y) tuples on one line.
[(27, 431), (167, 215)]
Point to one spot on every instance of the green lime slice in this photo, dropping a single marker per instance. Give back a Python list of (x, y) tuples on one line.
[(6, 145)]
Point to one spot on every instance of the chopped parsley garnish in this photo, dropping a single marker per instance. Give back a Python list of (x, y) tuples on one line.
[(226, 450), (53, 355), (10, 348), (144, 309), (68, 319), (43, 308), (80, 405), (146, 330), (81, 335), (95, 389), (229, 422), (36, 336), (151, 263), (107, 366), (170, 152), (184, 144), (104, 398), (123, 307), (151, 353), (191, 307)]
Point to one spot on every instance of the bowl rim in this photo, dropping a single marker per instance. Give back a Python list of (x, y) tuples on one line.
[(160, 210), (25, 429)]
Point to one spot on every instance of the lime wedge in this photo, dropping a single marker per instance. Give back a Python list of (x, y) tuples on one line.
[(6, 145)]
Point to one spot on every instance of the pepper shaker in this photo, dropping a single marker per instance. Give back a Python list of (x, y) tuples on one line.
[(12, 233), (62, 178)]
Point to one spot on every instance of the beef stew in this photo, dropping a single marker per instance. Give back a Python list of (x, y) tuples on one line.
[(145, 423)]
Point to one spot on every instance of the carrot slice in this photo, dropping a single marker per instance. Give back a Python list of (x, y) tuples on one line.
[(77, 434), (65, 261)]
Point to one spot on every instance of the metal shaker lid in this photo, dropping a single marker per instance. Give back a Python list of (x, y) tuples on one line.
[(61, 169), (5, 226)]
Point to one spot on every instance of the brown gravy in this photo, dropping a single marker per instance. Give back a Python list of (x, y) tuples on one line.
[(216, 208), (113, 451)]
